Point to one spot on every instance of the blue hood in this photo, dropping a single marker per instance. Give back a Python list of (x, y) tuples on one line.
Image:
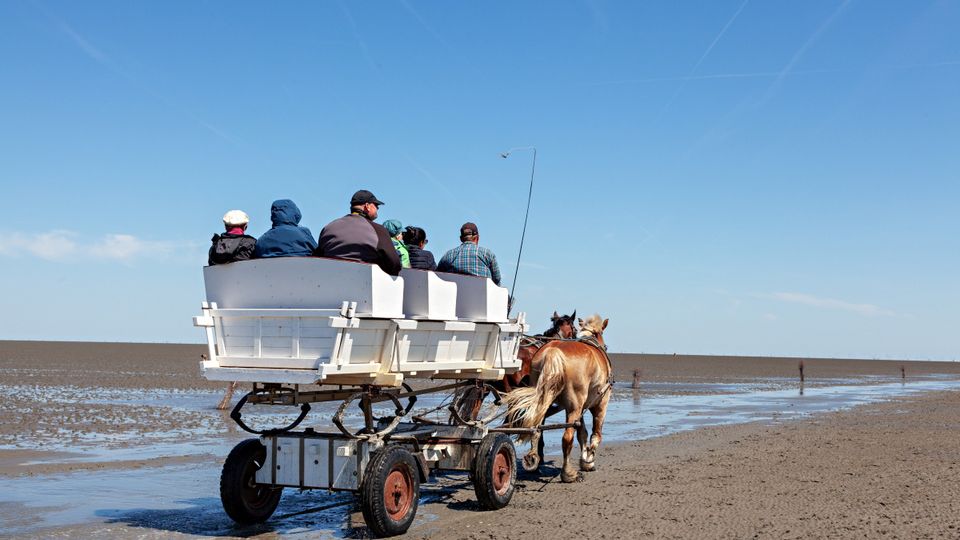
[(286, 238), (284, 212)]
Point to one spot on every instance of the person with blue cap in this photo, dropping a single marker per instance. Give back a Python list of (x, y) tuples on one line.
[(286, 238), (395, 228), (355, 237)]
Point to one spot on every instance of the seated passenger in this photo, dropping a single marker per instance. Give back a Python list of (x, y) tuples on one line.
[(395, 229), (235, 244), (355, 237), (286, 238), (469, 258), (416, 239)]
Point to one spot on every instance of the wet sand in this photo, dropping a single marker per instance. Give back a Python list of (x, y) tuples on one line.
[(79, 413), (884, 470)]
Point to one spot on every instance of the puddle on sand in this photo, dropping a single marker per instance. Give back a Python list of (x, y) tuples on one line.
[(184, 498), (180, 500)]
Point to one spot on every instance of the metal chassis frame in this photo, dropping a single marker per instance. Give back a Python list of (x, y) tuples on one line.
[(418, 434)]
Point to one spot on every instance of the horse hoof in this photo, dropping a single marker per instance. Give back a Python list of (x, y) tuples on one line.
[(569, 479), (531, 463), (588, 466)]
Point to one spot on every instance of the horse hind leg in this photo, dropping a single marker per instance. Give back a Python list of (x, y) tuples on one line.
[(532, 460), (598, 412), (569, 474), (586, 459)]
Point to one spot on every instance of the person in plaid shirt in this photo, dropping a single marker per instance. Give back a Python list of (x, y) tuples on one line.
[(469, 258)]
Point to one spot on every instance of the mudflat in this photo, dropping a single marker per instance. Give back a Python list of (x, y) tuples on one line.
[(885, 470), (135, 427)]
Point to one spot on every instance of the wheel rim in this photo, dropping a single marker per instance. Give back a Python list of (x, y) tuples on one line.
[(502, 471), (398, 494), (254, 496)]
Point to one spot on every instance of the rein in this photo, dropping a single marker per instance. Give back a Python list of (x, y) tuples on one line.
[(595, 343)]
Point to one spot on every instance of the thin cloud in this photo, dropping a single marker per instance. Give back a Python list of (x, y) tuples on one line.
[(51, 246), (64, 245), (868, 310)]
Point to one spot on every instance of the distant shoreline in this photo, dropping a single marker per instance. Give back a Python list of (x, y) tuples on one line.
[(14, 342)]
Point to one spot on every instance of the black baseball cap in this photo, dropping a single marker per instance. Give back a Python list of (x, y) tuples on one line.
[(363, 197)]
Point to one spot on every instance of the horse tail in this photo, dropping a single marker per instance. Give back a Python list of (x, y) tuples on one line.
[(527, 407)]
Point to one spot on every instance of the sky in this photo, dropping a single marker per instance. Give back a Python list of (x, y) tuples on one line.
[(747, 177)]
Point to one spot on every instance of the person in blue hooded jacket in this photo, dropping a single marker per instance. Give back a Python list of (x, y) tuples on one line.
[(286, 238)]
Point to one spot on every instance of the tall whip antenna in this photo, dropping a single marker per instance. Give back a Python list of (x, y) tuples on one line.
[(526, 216)]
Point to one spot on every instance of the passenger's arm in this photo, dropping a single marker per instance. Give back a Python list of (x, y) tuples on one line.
[(387, 257), (318, 251), (311, 243), (494, 269), (246, 249)]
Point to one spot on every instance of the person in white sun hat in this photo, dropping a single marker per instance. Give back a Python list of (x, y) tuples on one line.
[(233, 245)]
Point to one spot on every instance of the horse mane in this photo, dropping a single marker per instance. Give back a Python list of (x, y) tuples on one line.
[(593, 325), (554, 330)]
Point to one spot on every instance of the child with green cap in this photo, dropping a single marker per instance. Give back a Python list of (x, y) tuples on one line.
[(395, 228)]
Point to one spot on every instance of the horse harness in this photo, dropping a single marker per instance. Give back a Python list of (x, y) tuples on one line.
[(540, 340), (594, 342)]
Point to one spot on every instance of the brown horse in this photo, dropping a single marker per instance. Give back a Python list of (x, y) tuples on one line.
[(562, 327), (577, 375)]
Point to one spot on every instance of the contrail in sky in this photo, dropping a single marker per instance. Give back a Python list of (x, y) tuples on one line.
[(426, 26), (104, 60), (768, 74), (811, 41), (356, 34), (703, 57), (454, 198)]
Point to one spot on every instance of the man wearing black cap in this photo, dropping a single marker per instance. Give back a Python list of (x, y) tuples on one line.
[(469, 257), (355, 237)]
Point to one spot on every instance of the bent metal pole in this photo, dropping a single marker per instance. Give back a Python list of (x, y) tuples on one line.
[(533, 169)]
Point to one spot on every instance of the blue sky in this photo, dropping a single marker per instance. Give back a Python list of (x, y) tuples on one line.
[(717, 177)]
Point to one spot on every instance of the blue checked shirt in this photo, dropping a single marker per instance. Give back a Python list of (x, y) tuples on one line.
[(469, 258)]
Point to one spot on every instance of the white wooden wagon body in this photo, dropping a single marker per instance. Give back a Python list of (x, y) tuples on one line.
[(323, 321)]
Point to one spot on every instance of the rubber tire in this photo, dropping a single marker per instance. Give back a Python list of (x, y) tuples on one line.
[(373, 499), (243, 501), (488, 470)]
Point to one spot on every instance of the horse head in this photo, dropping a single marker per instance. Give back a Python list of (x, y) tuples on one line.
[(593, 327), (563, 325)]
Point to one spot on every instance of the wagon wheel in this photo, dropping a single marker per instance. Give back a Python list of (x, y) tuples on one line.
[(245, 501), (465, 408), (390, 491), (495, 471)]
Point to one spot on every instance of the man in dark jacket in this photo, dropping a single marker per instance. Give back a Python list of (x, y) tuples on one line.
[(233, 245), (287, 238), (355, 237)]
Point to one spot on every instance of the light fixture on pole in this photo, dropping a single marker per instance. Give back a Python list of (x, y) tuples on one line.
[(523, 235)]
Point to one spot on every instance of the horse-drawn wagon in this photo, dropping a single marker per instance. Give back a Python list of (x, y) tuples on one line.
[(308, 330)]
